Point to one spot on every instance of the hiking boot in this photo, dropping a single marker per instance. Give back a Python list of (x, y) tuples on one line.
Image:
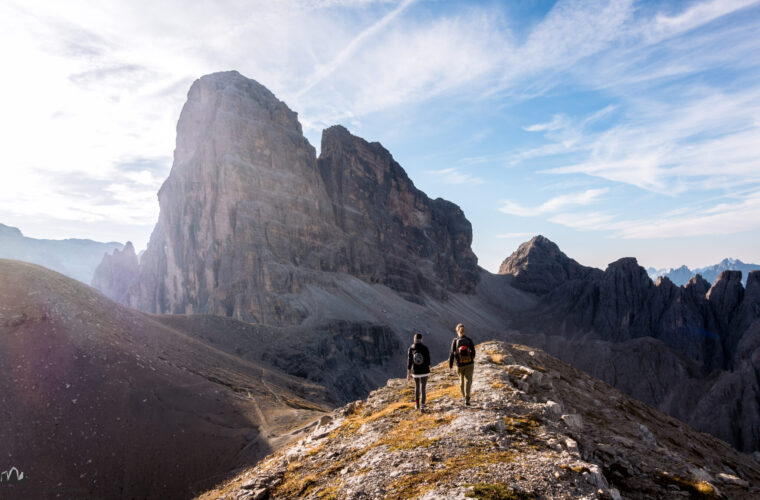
[(467, 401)]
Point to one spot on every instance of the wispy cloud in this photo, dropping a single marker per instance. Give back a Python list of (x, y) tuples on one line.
[(723, 218), (323, 71), (454, 176), (670, 148), (697, 15), (121, 71), (554, 204), (558, 122)]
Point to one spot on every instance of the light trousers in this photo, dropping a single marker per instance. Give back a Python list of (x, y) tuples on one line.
[(465, 379)]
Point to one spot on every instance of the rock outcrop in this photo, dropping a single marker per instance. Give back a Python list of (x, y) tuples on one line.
[(117, 274), (537, 428), (249, 218), (538, 266)]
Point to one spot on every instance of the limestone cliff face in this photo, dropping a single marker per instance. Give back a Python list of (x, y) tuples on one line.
[(395, 234), (242, 208), (249, 218)]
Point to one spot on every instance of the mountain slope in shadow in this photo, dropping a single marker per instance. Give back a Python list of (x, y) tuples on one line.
[(101, 401)]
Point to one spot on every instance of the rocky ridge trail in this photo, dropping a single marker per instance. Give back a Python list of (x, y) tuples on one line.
[(537, 428)]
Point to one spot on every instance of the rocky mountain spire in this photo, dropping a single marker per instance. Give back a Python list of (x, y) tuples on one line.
[(241, 210), (117, 274), (249, 219)]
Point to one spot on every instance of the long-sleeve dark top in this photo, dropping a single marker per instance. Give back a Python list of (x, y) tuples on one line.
[(425, 366), (454, 355)]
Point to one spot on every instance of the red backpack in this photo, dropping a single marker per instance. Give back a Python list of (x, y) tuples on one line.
[(464, 353)]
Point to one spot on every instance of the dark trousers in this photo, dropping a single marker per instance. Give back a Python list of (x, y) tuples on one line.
[(419, 390)]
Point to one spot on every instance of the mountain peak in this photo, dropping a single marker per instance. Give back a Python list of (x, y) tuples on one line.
[(537, 428), (221, 111), (233, 80), (538, 266)]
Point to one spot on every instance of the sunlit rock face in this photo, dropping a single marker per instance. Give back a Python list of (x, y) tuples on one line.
[(241, 210)]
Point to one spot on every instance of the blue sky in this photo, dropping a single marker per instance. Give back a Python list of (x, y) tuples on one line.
[(615, 128)]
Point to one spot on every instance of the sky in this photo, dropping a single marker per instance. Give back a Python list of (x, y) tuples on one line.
[(614, 128)]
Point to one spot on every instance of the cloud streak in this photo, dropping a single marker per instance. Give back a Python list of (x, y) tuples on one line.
[(554, 204), (353, 46), (721, 219), (454, 176)]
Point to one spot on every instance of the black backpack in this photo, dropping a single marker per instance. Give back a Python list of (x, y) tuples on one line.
[(417, 357)]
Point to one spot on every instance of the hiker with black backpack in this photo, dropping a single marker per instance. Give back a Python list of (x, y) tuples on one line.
[(418, 367), (463, 352)]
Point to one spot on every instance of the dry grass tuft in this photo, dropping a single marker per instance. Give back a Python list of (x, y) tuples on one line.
[(450, 391), (525, 425), (498, 358), (409, 434), (469, 463), (701, 490)]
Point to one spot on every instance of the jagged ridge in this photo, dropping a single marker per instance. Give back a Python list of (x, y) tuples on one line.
[(687, 350)]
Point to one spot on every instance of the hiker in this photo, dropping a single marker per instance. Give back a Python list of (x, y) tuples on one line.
[(463, 352), (418, 367)]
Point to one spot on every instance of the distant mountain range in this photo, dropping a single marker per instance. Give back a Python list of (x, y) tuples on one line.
[(76, 258), (681, 275)]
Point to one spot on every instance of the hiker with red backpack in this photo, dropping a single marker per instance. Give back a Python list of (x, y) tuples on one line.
[(463, 352), (418, 366)]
